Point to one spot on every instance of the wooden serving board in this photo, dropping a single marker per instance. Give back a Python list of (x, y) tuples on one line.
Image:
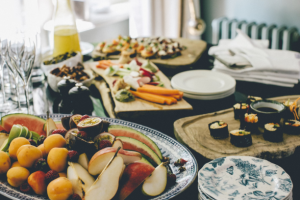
[(194, 132), (139, 104), (192, 53)]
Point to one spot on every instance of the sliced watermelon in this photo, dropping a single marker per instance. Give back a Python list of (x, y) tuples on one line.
[(59, 125), (33, 123), (2, 129), (119, 130)]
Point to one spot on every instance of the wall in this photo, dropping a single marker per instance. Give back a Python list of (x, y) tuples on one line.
[(279, 12)]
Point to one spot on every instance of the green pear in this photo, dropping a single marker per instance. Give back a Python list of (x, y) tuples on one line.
[(156, 183)]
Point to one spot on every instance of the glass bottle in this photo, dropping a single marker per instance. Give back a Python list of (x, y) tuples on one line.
[(66, 38)]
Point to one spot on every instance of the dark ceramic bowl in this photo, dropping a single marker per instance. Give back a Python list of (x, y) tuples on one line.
[(268, 111)]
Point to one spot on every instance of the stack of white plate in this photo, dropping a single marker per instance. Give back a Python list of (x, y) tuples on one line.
[(243, 178), (204, 84)]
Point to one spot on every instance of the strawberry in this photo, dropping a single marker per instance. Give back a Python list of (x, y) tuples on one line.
[(84, 117), (41, 140), (32, 142), (103, 144), (41, 165), (51, 175), (82, 134), (74, 197), (25, 188), (180, 162), (171, 179), (73, 156), (59, 131)]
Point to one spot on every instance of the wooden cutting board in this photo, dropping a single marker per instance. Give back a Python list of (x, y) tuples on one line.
[(192, 53), (139, 104), (194, 132)]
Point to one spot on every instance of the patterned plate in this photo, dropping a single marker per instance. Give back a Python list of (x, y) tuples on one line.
[(168, 146), (243, 178)]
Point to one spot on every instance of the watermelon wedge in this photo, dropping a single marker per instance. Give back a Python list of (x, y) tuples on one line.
[(59, 125), (33, 123), (119, 130), (2, 129)]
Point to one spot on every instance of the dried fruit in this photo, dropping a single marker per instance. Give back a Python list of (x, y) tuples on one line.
[(181, 169), (165, 159), (171, 179), (84, 117), (25, 188), (32, 142), (41, 165), (73, 156), (103, 144), (51, 175), (74, 197), (59, 131), (41, 140), (180, 162), (82, 134)]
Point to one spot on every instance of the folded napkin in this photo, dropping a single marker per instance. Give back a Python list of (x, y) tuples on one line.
[(276, 67)]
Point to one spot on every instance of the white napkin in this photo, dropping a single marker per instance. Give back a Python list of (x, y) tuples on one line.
[(276, 67)]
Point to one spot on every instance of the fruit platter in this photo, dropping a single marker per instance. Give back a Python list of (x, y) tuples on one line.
[(75, 157)]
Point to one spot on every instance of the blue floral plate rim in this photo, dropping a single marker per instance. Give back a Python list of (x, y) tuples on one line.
[(186, 178), (242, 178)]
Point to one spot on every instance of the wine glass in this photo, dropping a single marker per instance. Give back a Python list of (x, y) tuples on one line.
[(13, 60), (21, 55), (5, 106)]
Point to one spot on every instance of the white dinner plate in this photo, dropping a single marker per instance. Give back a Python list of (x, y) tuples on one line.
[(203, 82), (209, 97)]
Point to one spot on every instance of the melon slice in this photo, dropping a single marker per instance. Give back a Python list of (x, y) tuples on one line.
[(135, 145), (59, 125), (119, 130), (33, 123)]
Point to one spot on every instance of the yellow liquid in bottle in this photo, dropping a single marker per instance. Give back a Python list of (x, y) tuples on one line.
[(66, 39)]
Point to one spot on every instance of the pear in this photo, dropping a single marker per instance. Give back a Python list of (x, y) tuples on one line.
[(76, 182), (156, 183), (50, 126), (118, 143), (3, 139), (83, 175), (107, 183), (83, 160)]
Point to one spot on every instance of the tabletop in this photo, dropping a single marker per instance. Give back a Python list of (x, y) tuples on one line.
[(44, 97)]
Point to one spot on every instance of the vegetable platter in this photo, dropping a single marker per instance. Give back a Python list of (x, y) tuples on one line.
[(139, 104)]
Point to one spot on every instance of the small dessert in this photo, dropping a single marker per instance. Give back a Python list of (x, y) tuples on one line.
[(240, 138), (273, 132), (218, 129), (239, 110), (288, 114), (251, 99), (251, 123), (292, 127)]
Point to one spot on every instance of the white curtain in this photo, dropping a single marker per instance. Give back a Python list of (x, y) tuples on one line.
[(152, 18)]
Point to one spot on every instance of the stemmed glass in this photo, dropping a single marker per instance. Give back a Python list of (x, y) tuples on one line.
[(21, 55), (5, 106)]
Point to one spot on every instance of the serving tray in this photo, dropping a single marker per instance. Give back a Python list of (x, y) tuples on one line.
[(168, 146), (138, 104), (192, 53), (193, 132)]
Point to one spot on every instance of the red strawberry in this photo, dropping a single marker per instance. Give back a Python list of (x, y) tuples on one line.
[(103, 144), (59, 131), (25, 188), (180, 162), (32, 142), (73, 156), (82, 134), (84, 117), (51, 175), (74, 197), (171, 179), (41, 165)]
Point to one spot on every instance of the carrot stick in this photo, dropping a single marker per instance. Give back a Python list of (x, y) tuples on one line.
[(157, 90), (153, 98)]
